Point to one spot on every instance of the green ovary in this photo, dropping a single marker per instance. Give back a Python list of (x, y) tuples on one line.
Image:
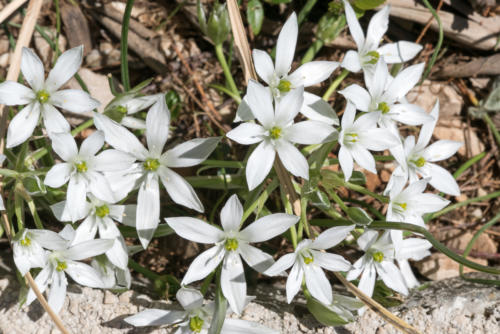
[(61, 266), (308, 260), (196, 324), (25, 242), (151, 164), (284, 86), (42, 96), (81, 167), (275, 132), (420, 162), (378, 256), (231, 244), (122, 109), (374, 57), (383, 107), (102, 211)]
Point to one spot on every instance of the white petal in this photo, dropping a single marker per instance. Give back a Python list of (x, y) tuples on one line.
[(148, 209), (179, 189), (87, 249), (441, 150), (119, 137), (289, 106), (133, 123), (378, 139), (358, 96), (377, 27), (190, 299), (64, 145), (408, 276), (403, 82), (243, 113), (367, 280), (231, 214), (255, 258), (247, 133), (292, 159), (354, 26), (312, 73), (32, 69), (351, 61), (376, 83), (399, 52), (66, 66), (191, 153), (195, 230), (284, 262), (364, 158), (268, 227), (53, 120), (392, 277), (263, 65), (92, 144), (367, 239), (99, 187), (13, 93), (41, 281), (157, 124), (346, 162), (285, 47), (410, 114), (332, 262), (428, 128), (317, 109), (74, 100), (308, 132), (317, 284), (430, 202), (204, 264), (232, 281), (442, 180), (239, 326), (57, 291), (155, 317), (58, 175), (259, 164), (113, 160), (294, 281), (118, 254), (76, 197), (84, 274), (86, 231), (414, 249), (260, 102), (22, 125), (331, 237)]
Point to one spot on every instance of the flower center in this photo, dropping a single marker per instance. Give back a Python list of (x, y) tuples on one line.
[(102, 211), (420, 162), (284, 86), (25, 242), (378, 256), (81, 167), (196, 324), (151, 164), (383, 107), (351, 137), (275, 132), (122, 109), (231, 244), (42, 96), (307, 259), (61, 265), (402, 207), (373, 56)]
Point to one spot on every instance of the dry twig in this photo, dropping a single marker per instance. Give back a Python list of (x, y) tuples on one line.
[(10, 8)]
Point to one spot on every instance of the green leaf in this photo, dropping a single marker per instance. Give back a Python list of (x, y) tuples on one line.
[(322, 313), (130, 232), (255, 15), (202, 19), (493, 101), (330, 26), (220, 309), (368, 4), (359, 216), (173, 101), (277, 2)]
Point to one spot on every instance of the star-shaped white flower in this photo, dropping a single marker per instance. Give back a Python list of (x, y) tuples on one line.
[(369, 52), (385, 97), (83, 169), (111, 276), (66, 261), (307, 262), (44, 96), (378, 259), (196, 317), (281, 82), (418, 160), (129, 105), (153, 165), (276, 133), (230, 245), (357, 137)]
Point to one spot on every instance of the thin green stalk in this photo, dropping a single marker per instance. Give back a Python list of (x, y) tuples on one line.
[(223, 164), (289, 210), (227, 91), (363, 190), (312, 51), (337, 199), (466, 165), (305, 10), (493, 128), (438, 44), (124, 45), (261, 199), (227, 71), (220, 307), (144, 271), (335, 84)]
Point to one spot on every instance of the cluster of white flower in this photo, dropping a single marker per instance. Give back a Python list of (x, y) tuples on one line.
[(98, 180)]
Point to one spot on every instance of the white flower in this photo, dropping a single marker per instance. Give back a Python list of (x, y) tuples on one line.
[(385, 96), (154, 166), (28, 248), (44, 96), (308, 259), (111, 276), (418, 159), (411, 248), (276, 133), (230, 245), (378, 259), (410, 204), (129, 105), (357, 137), (65, 261), (82, 168), (195, 318), (343, 306), (101, 216), (281, 82), (369, 51)]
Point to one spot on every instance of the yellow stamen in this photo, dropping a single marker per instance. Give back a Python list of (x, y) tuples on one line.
[(378, 256), (196, 324), (374, 57), (81, 167), (102, 211), (151, 164), (284, 86), (383, 107), (275, 132), (61, 266), (231, 244), (25, 242), (42, 96)]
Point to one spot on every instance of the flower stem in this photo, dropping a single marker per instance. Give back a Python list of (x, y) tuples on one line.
[(124, 45), (335, 84), (144, 271), (227, 71), (312, 51), (305, 10), (439, 42)]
